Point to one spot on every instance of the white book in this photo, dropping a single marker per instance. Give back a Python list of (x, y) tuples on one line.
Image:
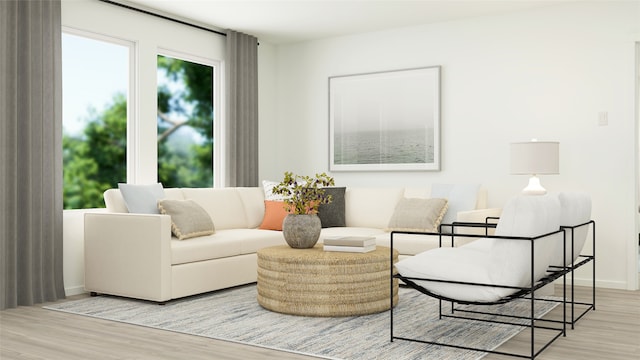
[(355, 249), (350, 241)]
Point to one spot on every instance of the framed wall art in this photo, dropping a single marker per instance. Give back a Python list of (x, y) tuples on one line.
[(385, 121)]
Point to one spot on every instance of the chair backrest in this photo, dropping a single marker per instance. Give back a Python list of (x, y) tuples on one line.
[(526, 216), (575, 209)]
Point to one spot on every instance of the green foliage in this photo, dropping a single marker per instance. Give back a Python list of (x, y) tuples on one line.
[(186, 165), (96, 160), (304, 194)]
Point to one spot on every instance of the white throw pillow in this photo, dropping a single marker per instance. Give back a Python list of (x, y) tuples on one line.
[(268, 191), (461, 197), (142, 199)]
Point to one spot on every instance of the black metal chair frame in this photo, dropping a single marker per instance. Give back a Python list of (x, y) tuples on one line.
[(581, 260), (553, 274)]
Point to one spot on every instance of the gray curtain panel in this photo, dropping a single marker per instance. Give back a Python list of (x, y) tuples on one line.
[(241, 97), (31, 153)]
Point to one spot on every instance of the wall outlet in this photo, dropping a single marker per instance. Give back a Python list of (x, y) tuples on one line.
[(603, 118)]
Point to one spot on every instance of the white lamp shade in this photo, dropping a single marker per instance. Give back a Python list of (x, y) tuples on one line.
[(535, 157)]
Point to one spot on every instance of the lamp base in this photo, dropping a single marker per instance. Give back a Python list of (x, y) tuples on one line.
[(534, 187)]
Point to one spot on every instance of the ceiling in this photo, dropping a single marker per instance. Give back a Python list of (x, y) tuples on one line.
[(288, 21)]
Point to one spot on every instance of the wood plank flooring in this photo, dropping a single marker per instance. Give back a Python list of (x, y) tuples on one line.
[(611, 332)]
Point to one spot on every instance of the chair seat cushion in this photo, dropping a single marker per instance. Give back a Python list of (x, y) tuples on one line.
[(496, 261), (467, 264)]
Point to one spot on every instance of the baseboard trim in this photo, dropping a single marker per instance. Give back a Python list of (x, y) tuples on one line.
[(619, 285), (74, 290)]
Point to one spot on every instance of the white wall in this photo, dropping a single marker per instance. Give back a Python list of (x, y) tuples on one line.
[(542, 74)]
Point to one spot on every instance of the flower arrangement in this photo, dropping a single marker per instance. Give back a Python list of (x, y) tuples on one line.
[(304, 194)]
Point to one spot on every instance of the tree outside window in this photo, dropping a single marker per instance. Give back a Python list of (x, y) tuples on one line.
[(185, 123)]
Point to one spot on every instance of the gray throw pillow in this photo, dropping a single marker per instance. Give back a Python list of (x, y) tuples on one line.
[(188, 219), (142, 199), (422, 215), (333, 214)]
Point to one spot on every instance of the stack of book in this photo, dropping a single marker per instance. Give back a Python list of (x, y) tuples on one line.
[(358, 244)]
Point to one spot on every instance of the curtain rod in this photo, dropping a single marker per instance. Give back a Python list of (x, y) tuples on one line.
[(162, 16)]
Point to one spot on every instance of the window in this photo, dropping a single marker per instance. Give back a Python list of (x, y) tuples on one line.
[(185, 123), (95, 92), (129, 150)]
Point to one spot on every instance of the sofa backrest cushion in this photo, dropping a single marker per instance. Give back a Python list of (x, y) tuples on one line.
[(427, 192), (371, 207), (253, 202), (224, 205)]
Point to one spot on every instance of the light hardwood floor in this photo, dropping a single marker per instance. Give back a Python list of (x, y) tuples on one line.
[(611, 332)]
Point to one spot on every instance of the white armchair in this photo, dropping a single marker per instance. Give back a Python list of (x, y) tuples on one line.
[(525, 253)]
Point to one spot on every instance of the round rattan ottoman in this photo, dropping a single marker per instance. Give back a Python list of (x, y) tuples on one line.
[(313, 282)]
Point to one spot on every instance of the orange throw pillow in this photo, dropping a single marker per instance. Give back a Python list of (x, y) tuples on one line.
[(274, 214)]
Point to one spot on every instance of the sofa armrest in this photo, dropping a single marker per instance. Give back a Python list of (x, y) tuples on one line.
[(478, 215), (128, 255)]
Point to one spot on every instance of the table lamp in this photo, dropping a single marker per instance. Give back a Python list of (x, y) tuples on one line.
[(535, 158)]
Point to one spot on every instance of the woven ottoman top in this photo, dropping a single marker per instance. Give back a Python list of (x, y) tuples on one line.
[(315, 255)]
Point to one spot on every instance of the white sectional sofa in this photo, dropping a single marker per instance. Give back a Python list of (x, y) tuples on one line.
[(135, 255)]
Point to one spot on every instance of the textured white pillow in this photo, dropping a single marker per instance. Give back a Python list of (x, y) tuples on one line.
[(188, 219), (142, 199), (268, 191), (413, 214)]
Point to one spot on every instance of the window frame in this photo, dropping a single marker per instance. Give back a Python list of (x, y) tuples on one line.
[(217, 113), (150, 35)]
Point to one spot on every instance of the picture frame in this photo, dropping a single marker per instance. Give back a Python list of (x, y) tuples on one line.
[(385, 121)]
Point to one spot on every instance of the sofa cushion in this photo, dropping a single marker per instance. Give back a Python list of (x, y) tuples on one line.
[(224, 206), (222, 244), (413, 214), (218, 245), (142, 199), (371, 207), (188, 219), (332, 214), (274, 214), (253, 202)]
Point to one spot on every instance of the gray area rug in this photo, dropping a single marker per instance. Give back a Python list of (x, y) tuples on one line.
[(234, 315)]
